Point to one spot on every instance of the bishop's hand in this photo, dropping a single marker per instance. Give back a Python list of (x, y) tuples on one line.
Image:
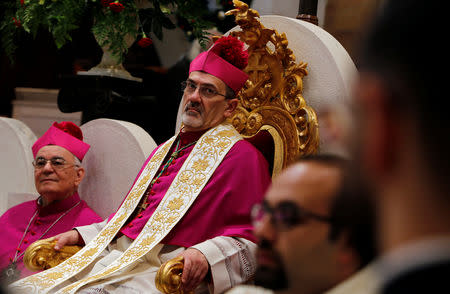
[(195, 269), (71, 237)]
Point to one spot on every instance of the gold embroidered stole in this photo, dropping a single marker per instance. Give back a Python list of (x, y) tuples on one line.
[(188, 183)]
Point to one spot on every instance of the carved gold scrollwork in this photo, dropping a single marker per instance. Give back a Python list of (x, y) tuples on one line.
[(41, 254), (168, 277), (239, 119), (254, 121), (272, 96)]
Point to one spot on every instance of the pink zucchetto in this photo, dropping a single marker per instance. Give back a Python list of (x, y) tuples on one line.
[(225, 60), (65, 134)]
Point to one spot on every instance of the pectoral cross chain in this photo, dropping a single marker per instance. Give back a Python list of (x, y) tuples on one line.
[(144, 204)]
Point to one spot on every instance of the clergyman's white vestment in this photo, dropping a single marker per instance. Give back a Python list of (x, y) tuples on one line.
[(231, 261)]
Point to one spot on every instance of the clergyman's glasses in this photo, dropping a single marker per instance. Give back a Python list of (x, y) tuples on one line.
[(285, 215)]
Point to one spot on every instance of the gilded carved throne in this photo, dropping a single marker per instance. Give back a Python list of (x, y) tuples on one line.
[(273, 113)]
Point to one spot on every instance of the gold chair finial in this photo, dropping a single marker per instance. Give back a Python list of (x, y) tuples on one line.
[(41, 254), (168, 277)]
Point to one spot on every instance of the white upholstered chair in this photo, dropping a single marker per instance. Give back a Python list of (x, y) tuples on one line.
[(118, 150), (16, 169)]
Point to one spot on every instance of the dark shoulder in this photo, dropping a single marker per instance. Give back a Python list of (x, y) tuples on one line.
[(421, 279)]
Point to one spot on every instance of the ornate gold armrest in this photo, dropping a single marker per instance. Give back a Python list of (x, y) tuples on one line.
[(41, 254), (168, 277)]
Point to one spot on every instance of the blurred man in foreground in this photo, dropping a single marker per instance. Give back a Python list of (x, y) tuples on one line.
[(402, 146), (306, 243)]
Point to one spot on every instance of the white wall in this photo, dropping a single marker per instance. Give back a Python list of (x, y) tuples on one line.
[(287, 8), (38, 109)]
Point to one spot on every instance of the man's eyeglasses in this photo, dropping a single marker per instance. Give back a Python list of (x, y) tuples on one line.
[(56, 162), (285, 215), (207, 92)]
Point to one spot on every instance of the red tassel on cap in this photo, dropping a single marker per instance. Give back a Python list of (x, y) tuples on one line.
[(70, 128), (232, 50)]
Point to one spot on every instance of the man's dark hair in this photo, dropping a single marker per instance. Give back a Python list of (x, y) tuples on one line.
[(326, 158), (406, 48), (229, 93), (352, 212)]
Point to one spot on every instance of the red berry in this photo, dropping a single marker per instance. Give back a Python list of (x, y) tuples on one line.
[(145, 42), (116, 6), (105, 3), (17, 22)]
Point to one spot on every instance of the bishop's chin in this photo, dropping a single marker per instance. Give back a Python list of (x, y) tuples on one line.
[(191, 121)]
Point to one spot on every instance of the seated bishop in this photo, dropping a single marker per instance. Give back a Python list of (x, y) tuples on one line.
[(57, 174), (191, 199)]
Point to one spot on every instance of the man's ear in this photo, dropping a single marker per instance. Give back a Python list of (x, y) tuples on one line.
[(347, 259), (379, 125), (80, 172), (231, 107)]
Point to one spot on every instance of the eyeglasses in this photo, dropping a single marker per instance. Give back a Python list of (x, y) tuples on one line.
[(207, 92), (56, 162), (285, 215)]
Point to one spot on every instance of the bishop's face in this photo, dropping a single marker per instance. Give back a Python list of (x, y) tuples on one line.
[(56, 181), (200, 112)]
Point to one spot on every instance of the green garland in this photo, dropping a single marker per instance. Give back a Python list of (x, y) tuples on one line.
[(113, 20)]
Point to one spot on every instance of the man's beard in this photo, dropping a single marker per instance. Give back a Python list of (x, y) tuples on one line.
[(271, 277), (190, 119)]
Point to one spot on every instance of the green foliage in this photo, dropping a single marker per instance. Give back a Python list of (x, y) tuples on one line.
[(197, 21), (62, 17), (110, 28), (7, 28)]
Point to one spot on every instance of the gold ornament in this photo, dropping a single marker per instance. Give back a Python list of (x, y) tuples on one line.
[(272, 97), (168, 277), (41, 254)]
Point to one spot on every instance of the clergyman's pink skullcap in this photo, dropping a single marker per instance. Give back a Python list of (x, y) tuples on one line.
[(225, 60), (67, 135)]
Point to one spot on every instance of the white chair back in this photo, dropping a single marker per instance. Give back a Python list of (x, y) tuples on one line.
[(16, 169), (118, 150)]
